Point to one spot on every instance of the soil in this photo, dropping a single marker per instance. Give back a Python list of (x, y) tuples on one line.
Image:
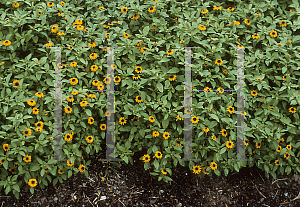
[(130, 185)]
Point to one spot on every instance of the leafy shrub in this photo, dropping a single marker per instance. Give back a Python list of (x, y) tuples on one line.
[(149, 85)]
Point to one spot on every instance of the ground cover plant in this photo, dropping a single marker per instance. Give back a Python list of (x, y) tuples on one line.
[(149, 85)]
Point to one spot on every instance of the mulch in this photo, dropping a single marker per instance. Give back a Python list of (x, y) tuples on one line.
[(131, 185)]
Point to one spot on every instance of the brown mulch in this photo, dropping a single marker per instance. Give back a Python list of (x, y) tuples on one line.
[(130, 185)]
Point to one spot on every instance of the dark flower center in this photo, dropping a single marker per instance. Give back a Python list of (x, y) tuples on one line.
[(194, 119), (219, 61), (146, 158), (26, 132), (6, 147), (213, 165), (27, 158), (16, 83), (139, 98), (172, 77), (158, 154), (68, 136), (117, 79), (122, 120), (32, 182), (273, 33), (196, 168), (229, 143), (90, 138), (39, 124)]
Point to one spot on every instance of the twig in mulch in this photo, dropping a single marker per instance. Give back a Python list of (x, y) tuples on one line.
[(280, 179), (297, 197), (258, 190)]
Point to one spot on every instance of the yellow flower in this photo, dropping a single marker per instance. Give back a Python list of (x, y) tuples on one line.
[(253, 93), (146, 158), (202, 27), (224, 133), (151, 119), (89, 139), (103, 127), (247, 21), (166, 135), (6, 147), (94, 68), (81, 168), (93, 56), (122, 120), (213, 165), (6, 43), (155, 134), (124, 9), (195, 120), (230, 109), (219, 62), (158, 154), (256, 36), (204, 11), (73, 81), (101, 8), (69, 163), (164, 172), (16, 5), (49, 44), (68, 137), (35, 111), (68, 110), (50, 4), (258, 144), (172, 77), (196, 169), (151, 9), (126, 35), (214, 137), (292, 110), (62, 3), (273, 33), (91, 120), (32, 182), (236, 23), (229, 144), (278, 148), (170, 52)]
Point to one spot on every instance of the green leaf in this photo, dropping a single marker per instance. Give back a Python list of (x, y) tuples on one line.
[(16, 187), (217, 172), (214, 117), (168, 178), (34, 167), (146, 30), (69, 173), (5, 164), (35, 39), (142, 132), (267, 169), (146, 165), (156, 164), (159, 86), (288, 170), (88, 112), (236, 167), (154, 149), (165, 123), (223, 150), (125, 158), (173, 70)]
